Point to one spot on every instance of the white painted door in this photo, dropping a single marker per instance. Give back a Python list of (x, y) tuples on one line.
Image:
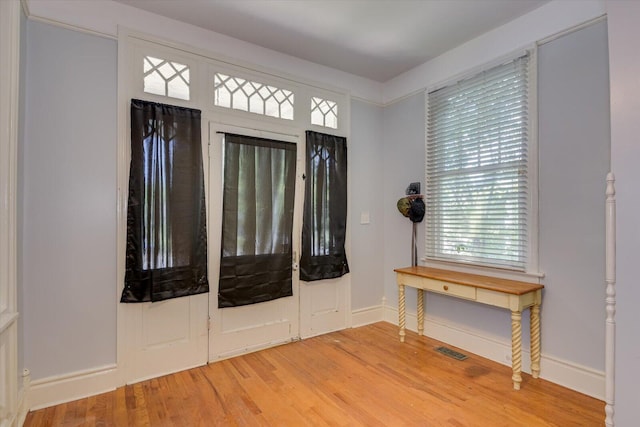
[(237, 330), (325, 306), (166, 336)]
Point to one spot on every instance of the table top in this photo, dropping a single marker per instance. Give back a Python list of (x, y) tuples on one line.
[(507, 286)]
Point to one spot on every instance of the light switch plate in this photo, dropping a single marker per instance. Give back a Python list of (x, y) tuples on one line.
[(364, 218)]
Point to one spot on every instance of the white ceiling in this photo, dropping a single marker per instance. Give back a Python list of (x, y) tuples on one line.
[(377, 39)]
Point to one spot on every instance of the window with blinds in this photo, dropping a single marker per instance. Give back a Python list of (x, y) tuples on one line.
[(477, 189)]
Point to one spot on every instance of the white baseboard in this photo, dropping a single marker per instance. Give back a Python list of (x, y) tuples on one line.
[(77, 385), (562, 372), (572, 375), (367, 315), (65, 388)]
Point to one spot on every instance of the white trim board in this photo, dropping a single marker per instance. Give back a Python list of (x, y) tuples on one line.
[(571, 375), (59, 389), (368, 315), (10, 20)]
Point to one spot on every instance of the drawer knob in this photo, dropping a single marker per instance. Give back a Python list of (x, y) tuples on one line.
[(446, 288)]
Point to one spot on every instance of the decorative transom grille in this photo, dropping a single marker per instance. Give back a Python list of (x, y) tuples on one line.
[(254, 97), (324, 113), (166, 78)]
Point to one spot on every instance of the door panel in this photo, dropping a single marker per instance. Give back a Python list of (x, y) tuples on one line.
[(164, 324), (324, 306), (165, 337), (263, 313), (236, 330), (247, 328), (325, 300)]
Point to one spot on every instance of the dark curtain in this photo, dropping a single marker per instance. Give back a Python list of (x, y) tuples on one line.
[(257, 221), (325, 208), (166, 213)]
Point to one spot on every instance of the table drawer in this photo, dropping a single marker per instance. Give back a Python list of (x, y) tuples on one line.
[(452, 289), (446, 288)]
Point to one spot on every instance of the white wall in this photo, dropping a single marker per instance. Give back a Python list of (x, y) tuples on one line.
[(574, 134), (386, 149), (403, 142), (574, 160), (104, 17), (365, 164), (549, 19), (404, 139), (69, 196), (68, 186), (624, 33)]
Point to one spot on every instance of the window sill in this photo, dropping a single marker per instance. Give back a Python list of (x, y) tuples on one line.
[(528, 276)]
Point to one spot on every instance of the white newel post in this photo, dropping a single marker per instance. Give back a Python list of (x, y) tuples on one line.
[(610, 300)]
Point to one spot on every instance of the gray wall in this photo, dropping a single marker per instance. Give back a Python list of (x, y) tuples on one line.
[(403, 131), (573, 162), (404, 138), (574, 158), (68, 207), (624, 33), (68, 177), (365, 166)]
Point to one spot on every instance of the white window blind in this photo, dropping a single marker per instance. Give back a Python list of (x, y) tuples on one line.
[(477, 169)]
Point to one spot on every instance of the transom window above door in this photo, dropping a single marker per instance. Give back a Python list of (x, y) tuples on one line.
[(234, 93), (166, 78), (324, 112), (246, 95)]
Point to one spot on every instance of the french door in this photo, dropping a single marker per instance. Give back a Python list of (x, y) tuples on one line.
[(243, 318)]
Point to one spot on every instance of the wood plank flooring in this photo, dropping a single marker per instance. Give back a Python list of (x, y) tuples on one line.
[(356, 377)]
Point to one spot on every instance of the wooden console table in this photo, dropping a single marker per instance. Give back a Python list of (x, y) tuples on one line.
[(510, 294)]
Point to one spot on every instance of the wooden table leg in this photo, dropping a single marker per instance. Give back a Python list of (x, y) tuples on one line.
[(516, 348), (401, 313), (535, 340), (420, 312)]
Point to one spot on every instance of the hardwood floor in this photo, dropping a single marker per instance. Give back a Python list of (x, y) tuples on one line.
[(356, 377)]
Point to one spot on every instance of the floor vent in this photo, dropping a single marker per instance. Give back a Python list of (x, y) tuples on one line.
[(451, 353)]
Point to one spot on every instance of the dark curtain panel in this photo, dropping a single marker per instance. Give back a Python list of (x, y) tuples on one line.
[(325, 208), (166, 213), (257, 221)]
